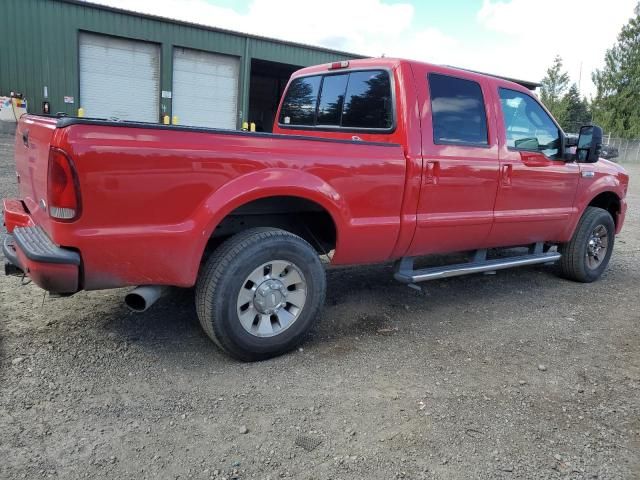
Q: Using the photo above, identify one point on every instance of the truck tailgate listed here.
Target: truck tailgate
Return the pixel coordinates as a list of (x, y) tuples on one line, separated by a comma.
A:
[(34, 136)]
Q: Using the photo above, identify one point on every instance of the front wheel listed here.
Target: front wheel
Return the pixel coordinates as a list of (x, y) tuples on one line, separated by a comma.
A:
[(587, 254), (260, 293)]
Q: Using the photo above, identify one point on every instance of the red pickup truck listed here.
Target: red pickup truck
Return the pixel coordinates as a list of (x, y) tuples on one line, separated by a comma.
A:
[(370, 160)]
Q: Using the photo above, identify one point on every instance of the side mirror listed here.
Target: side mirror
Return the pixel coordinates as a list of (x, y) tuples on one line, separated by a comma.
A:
[(589, 144), (571, 140), (527, 144)]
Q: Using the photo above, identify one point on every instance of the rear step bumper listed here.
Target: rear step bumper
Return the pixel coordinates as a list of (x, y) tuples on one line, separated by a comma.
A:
[(406, 274), (49, 266)]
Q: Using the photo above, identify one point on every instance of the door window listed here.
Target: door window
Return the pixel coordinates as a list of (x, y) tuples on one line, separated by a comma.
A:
[(457, 109), (527, 125)]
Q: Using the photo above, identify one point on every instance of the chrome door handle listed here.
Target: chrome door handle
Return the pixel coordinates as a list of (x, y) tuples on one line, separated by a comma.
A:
[(432, 173), (506, 174), (588, 174)]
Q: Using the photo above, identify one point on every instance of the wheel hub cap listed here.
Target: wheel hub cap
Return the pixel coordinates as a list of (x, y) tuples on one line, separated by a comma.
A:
[(271, 298), (597, 246)]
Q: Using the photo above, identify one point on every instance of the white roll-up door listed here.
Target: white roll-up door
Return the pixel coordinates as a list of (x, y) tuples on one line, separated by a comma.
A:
[(119, 78), (205, 88)]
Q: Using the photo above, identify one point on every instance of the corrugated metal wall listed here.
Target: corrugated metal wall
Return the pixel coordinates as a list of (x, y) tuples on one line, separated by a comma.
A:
[(39, 47)]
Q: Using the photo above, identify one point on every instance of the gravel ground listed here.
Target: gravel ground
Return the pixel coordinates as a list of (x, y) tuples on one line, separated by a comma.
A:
[(515, 375)]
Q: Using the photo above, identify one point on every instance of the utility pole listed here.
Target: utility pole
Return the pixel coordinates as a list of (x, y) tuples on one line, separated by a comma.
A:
[(580, 77)]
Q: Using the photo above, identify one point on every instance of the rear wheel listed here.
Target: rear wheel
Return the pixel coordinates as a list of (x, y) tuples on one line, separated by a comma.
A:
[(587, 254), (260, 293)]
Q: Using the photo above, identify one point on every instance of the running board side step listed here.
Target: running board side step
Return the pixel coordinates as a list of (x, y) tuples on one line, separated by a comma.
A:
[(406, 274)]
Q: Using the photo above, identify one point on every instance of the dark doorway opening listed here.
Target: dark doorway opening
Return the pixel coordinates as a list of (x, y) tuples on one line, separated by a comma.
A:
[(268, 81)]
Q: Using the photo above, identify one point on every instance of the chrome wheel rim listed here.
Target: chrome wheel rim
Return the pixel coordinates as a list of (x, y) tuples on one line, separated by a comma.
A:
[(271, 298), (597, 246)]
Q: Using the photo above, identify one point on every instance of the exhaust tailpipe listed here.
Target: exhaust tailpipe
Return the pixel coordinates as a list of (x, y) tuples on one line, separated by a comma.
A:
[(141, 298), (13, 270)]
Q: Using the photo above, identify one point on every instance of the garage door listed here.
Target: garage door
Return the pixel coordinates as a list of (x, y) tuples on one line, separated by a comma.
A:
[(205, 88), (119, 78)]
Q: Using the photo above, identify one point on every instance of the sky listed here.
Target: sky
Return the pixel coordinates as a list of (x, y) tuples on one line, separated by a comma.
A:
[(515, 38)]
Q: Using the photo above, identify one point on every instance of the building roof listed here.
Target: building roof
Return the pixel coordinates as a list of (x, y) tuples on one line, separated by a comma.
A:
[(88, 3)]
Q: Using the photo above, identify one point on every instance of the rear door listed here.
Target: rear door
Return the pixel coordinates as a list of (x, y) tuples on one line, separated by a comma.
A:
[(537, 187), (460, 163)]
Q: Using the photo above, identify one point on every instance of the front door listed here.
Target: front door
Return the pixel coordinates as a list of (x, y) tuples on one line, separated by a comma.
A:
[(460, 164), (537, 187)]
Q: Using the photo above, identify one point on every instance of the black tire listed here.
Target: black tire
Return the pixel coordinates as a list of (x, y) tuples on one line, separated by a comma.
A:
[(574, 263), (225, 273)]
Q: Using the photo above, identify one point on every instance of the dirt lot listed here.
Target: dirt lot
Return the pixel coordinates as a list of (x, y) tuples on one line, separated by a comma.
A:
[(516, 375)]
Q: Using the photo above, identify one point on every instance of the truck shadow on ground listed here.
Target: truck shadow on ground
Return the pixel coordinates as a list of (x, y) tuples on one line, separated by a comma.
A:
[(362, 302), (368, 301)]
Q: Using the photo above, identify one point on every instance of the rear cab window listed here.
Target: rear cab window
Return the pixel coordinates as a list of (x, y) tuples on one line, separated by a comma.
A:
[(331, 102), (358, 100), (300, 102)]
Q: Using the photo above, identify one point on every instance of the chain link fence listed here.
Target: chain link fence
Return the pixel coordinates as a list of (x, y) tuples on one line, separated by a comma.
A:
[(628, 149), (619, 150)]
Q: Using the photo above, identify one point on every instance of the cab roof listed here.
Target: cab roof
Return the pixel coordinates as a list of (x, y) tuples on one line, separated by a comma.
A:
[(390, 63)]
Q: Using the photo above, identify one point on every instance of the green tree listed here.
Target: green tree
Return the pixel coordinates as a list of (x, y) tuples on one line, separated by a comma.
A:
[(553, 88), (576, 110), (616, 106)]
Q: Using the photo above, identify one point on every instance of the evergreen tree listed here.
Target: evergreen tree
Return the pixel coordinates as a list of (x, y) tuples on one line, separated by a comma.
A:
[(576, 110), (553, 87), (616, 106)]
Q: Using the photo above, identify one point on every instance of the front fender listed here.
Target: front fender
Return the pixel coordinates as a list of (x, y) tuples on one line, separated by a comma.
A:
[(265, 183), (589, 188)]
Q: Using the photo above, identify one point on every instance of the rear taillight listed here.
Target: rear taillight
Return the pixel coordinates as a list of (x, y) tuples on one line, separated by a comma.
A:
[(63, 190)]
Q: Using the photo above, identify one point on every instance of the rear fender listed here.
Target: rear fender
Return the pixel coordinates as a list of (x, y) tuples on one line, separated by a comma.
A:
[(262, 184)]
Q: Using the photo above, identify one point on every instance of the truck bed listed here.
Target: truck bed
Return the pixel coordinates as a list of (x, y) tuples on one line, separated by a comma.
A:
[(151, 195)]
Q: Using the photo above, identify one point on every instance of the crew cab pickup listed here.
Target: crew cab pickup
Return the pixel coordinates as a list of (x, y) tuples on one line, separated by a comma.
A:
[(372, 160)]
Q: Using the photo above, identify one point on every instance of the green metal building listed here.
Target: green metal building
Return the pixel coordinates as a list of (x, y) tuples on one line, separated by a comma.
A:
[(67, 54)]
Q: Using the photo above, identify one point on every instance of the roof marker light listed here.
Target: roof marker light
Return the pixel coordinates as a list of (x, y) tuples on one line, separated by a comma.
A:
[(336, 65)]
